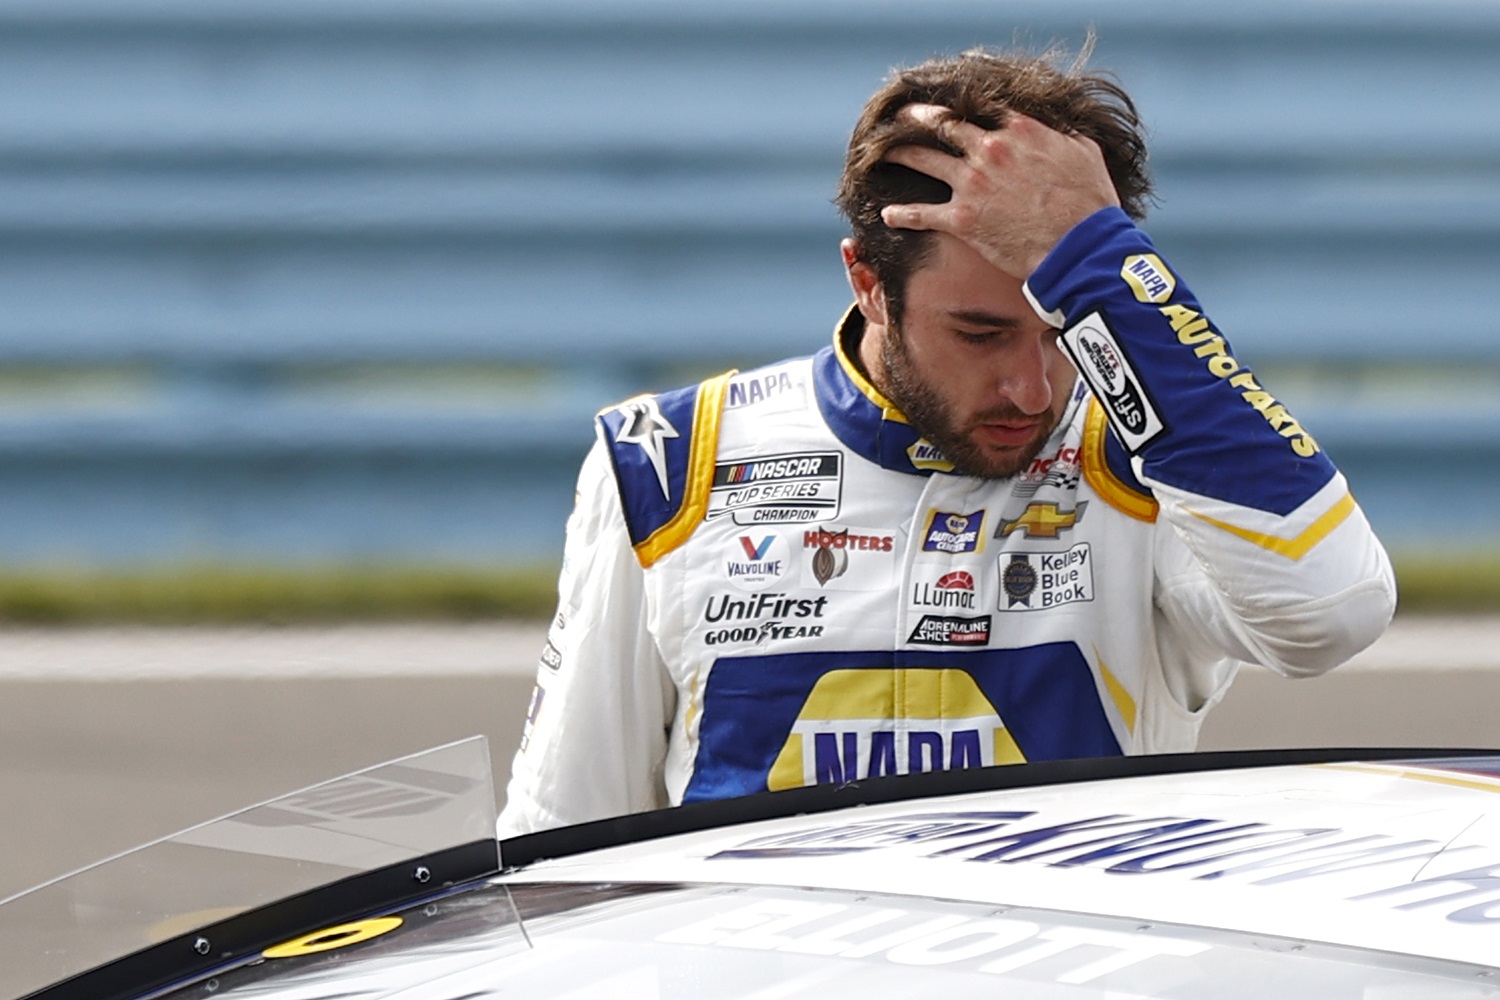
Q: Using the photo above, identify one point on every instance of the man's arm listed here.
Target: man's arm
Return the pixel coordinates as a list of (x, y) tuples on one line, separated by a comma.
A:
[(596, 728), (1270, 560), (1269, 556)]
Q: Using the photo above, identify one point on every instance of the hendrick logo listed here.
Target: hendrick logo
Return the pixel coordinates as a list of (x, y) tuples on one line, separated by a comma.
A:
[(946, 630), (1097, 355)]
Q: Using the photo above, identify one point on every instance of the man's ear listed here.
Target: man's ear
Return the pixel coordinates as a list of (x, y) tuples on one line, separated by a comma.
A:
[(869, 293)]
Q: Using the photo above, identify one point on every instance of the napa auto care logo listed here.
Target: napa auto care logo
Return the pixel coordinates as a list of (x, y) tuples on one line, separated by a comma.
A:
[(756, 560), (952, 533)]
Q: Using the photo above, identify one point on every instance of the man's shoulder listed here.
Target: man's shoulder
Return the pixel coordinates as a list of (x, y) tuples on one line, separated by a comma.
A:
[(663, 446)]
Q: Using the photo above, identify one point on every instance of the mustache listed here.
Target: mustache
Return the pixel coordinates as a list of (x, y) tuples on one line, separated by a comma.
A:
[(1007, 413)]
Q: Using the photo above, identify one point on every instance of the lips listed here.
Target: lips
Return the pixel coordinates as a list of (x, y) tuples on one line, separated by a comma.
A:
[(1008, 434)]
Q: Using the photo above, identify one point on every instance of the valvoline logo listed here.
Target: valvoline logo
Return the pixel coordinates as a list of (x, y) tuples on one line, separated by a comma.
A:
[(754, 550), (850, 727), (756, 561)]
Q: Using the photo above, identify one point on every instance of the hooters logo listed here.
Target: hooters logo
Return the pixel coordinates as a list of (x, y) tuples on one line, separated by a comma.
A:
[(835, 551)]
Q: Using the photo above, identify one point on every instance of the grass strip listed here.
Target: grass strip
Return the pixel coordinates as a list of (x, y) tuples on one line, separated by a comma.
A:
[(1429, 583), (1448, 583), (230, 595)]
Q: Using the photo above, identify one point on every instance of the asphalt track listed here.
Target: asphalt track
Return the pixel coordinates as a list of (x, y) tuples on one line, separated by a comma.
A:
[(112, 737)]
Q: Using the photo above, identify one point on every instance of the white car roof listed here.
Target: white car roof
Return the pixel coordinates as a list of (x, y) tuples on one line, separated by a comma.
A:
[(1397, 857)]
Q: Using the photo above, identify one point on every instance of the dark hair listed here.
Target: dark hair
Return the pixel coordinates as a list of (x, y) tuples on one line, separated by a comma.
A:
[(979, 86)]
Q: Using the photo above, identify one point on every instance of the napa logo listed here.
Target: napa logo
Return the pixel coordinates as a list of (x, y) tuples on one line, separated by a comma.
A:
[(925, 455), (1148, 278), (848, 728)]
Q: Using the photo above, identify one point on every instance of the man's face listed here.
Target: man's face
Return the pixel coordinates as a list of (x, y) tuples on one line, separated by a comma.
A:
[(972, 366)]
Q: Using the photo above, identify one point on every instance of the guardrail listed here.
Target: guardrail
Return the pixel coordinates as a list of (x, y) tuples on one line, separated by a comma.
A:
[(441, 234)]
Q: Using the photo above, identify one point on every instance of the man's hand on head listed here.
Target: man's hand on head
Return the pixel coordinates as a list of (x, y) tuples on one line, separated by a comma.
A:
[(1017, 189)]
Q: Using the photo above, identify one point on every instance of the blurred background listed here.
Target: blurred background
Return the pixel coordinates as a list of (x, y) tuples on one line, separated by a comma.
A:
[(331, 284), (308, 308)]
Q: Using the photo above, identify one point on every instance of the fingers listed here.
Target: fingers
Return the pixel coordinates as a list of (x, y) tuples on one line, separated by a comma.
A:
[(915, 216), (952, 129), (929, 161)]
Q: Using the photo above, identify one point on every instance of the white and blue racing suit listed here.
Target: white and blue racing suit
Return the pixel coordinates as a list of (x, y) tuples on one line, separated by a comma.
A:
[(771, 580)]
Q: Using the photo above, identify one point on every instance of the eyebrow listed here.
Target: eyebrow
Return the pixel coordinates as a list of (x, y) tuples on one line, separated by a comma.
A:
[(979, 317)]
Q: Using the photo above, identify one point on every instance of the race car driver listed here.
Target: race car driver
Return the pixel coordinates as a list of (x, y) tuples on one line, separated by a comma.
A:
[(1029, 504)]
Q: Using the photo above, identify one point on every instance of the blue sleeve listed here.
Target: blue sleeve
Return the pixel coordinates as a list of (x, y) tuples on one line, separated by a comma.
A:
[(1177, 398)]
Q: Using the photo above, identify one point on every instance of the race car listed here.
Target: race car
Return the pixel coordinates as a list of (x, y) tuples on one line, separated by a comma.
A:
[(1341, 873)]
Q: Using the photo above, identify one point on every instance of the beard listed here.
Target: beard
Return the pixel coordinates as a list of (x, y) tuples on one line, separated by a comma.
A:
[(924, 406)]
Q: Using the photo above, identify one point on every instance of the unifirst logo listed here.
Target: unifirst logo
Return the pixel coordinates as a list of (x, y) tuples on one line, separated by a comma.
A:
[(1148, 278)]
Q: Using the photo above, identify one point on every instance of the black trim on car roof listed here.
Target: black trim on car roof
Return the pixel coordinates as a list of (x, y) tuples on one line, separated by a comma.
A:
[(519, 852), (236, 940)]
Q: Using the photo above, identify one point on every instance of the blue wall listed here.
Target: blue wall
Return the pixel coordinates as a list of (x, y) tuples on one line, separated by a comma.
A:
[(291, 281)]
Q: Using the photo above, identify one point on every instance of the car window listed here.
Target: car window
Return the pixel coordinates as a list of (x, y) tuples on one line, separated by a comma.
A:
[(315, 837)]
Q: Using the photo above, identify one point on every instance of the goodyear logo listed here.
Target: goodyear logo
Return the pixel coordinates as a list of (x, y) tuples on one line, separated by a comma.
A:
[(1148, 278), (845, 731)]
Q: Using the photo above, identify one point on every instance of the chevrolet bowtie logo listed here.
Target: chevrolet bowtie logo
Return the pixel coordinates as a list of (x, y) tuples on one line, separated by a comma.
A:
[(1043, 520)]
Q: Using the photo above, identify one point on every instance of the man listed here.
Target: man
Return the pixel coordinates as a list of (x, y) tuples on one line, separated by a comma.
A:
[(1028, 505)]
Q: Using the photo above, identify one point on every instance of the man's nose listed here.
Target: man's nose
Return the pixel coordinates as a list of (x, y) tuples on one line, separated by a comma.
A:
[(1025, 379)]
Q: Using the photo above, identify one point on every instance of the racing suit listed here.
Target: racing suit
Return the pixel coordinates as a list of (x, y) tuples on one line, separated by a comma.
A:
[(770, 579)]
